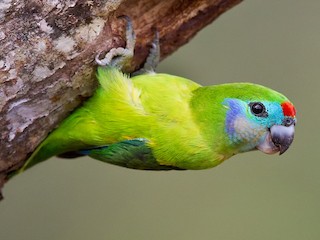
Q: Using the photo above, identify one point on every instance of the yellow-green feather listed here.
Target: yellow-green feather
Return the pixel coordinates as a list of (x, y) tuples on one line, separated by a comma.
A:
[(153, 106), (182, 122)]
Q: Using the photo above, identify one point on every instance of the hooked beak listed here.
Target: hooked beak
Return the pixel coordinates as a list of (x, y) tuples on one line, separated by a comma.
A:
[(277, 139)]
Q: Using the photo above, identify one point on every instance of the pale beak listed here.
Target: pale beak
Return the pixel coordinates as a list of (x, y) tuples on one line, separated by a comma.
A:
[(277, 139)]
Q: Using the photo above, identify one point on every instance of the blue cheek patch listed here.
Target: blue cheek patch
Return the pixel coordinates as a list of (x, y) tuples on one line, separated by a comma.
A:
[(235, 109)]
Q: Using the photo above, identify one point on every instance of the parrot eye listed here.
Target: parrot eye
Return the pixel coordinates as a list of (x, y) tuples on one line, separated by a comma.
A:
[(258, 109)]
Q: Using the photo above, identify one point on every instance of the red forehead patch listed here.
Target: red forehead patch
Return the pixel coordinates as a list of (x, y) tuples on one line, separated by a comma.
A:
[(288, 109)]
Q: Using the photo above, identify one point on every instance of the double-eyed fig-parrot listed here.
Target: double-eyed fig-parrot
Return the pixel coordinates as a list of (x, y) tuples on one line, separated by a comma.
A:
[(155, 121)]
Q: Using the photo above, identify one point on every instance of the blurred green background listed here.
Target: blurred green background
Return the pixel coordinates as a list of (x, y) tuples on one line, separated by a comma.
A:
[(251, 196)]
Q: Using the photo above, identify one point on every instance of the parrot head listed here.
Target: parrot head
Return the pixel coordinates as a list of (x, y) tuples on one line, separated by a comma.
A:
[(248, 116), (263, 121)]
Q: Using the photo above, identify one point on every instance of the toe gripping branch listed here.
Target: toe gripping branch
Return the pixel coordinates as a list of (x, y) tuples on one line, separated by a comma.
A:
[(121, 57), (153, 58)]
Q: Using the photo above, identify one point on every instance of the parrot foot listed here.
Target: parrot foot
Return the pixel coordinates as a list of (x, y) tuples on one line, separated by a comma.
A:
[(152, 59), (120, 57)]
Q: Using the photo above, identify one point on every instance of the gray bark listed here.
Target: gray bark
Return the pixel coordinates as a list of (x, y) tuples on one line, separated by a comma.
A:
[(47, 51)]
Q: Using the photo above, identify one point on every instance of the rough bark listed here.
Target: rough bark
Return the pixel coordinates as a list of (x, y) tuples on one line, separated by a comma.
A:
[(47, 51)]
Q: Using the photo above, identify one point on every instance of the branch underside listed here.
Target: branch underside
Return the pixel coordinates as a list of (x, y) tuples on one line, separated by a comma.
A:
[(47, 57)]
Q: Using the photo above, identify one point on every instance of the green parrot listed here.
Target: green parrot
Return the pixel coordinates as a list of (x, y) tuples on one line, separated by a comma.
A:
[(156, 121)]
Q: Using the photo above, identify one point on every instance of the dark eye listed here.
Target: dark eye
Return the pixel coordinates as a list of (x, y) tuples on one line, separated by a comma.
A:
[(258, 109)]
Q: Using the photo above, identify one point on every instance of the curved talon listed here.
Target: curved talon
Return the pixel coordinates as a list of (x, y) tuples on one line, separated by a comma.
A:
[(130, 35), (98, 61)]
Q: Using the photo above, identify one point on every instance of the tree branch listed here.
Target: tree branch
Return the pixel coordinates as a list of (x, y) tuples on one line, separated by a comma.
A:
[(47, 57)]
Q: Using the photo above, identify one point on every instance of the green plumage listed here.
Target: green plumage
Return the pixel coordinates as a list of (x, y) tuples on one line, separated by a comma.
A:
[(129, 153), (151, 121)]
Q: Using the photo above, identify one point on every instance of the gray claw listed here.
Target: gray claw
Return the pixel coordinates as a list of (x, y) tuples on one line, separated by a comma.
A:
[(120, 57), (153, 57)]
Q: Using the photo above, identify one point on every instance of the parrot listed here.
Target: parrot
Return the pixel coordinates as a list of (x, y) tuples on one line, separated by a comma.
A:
[(157, 121)]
